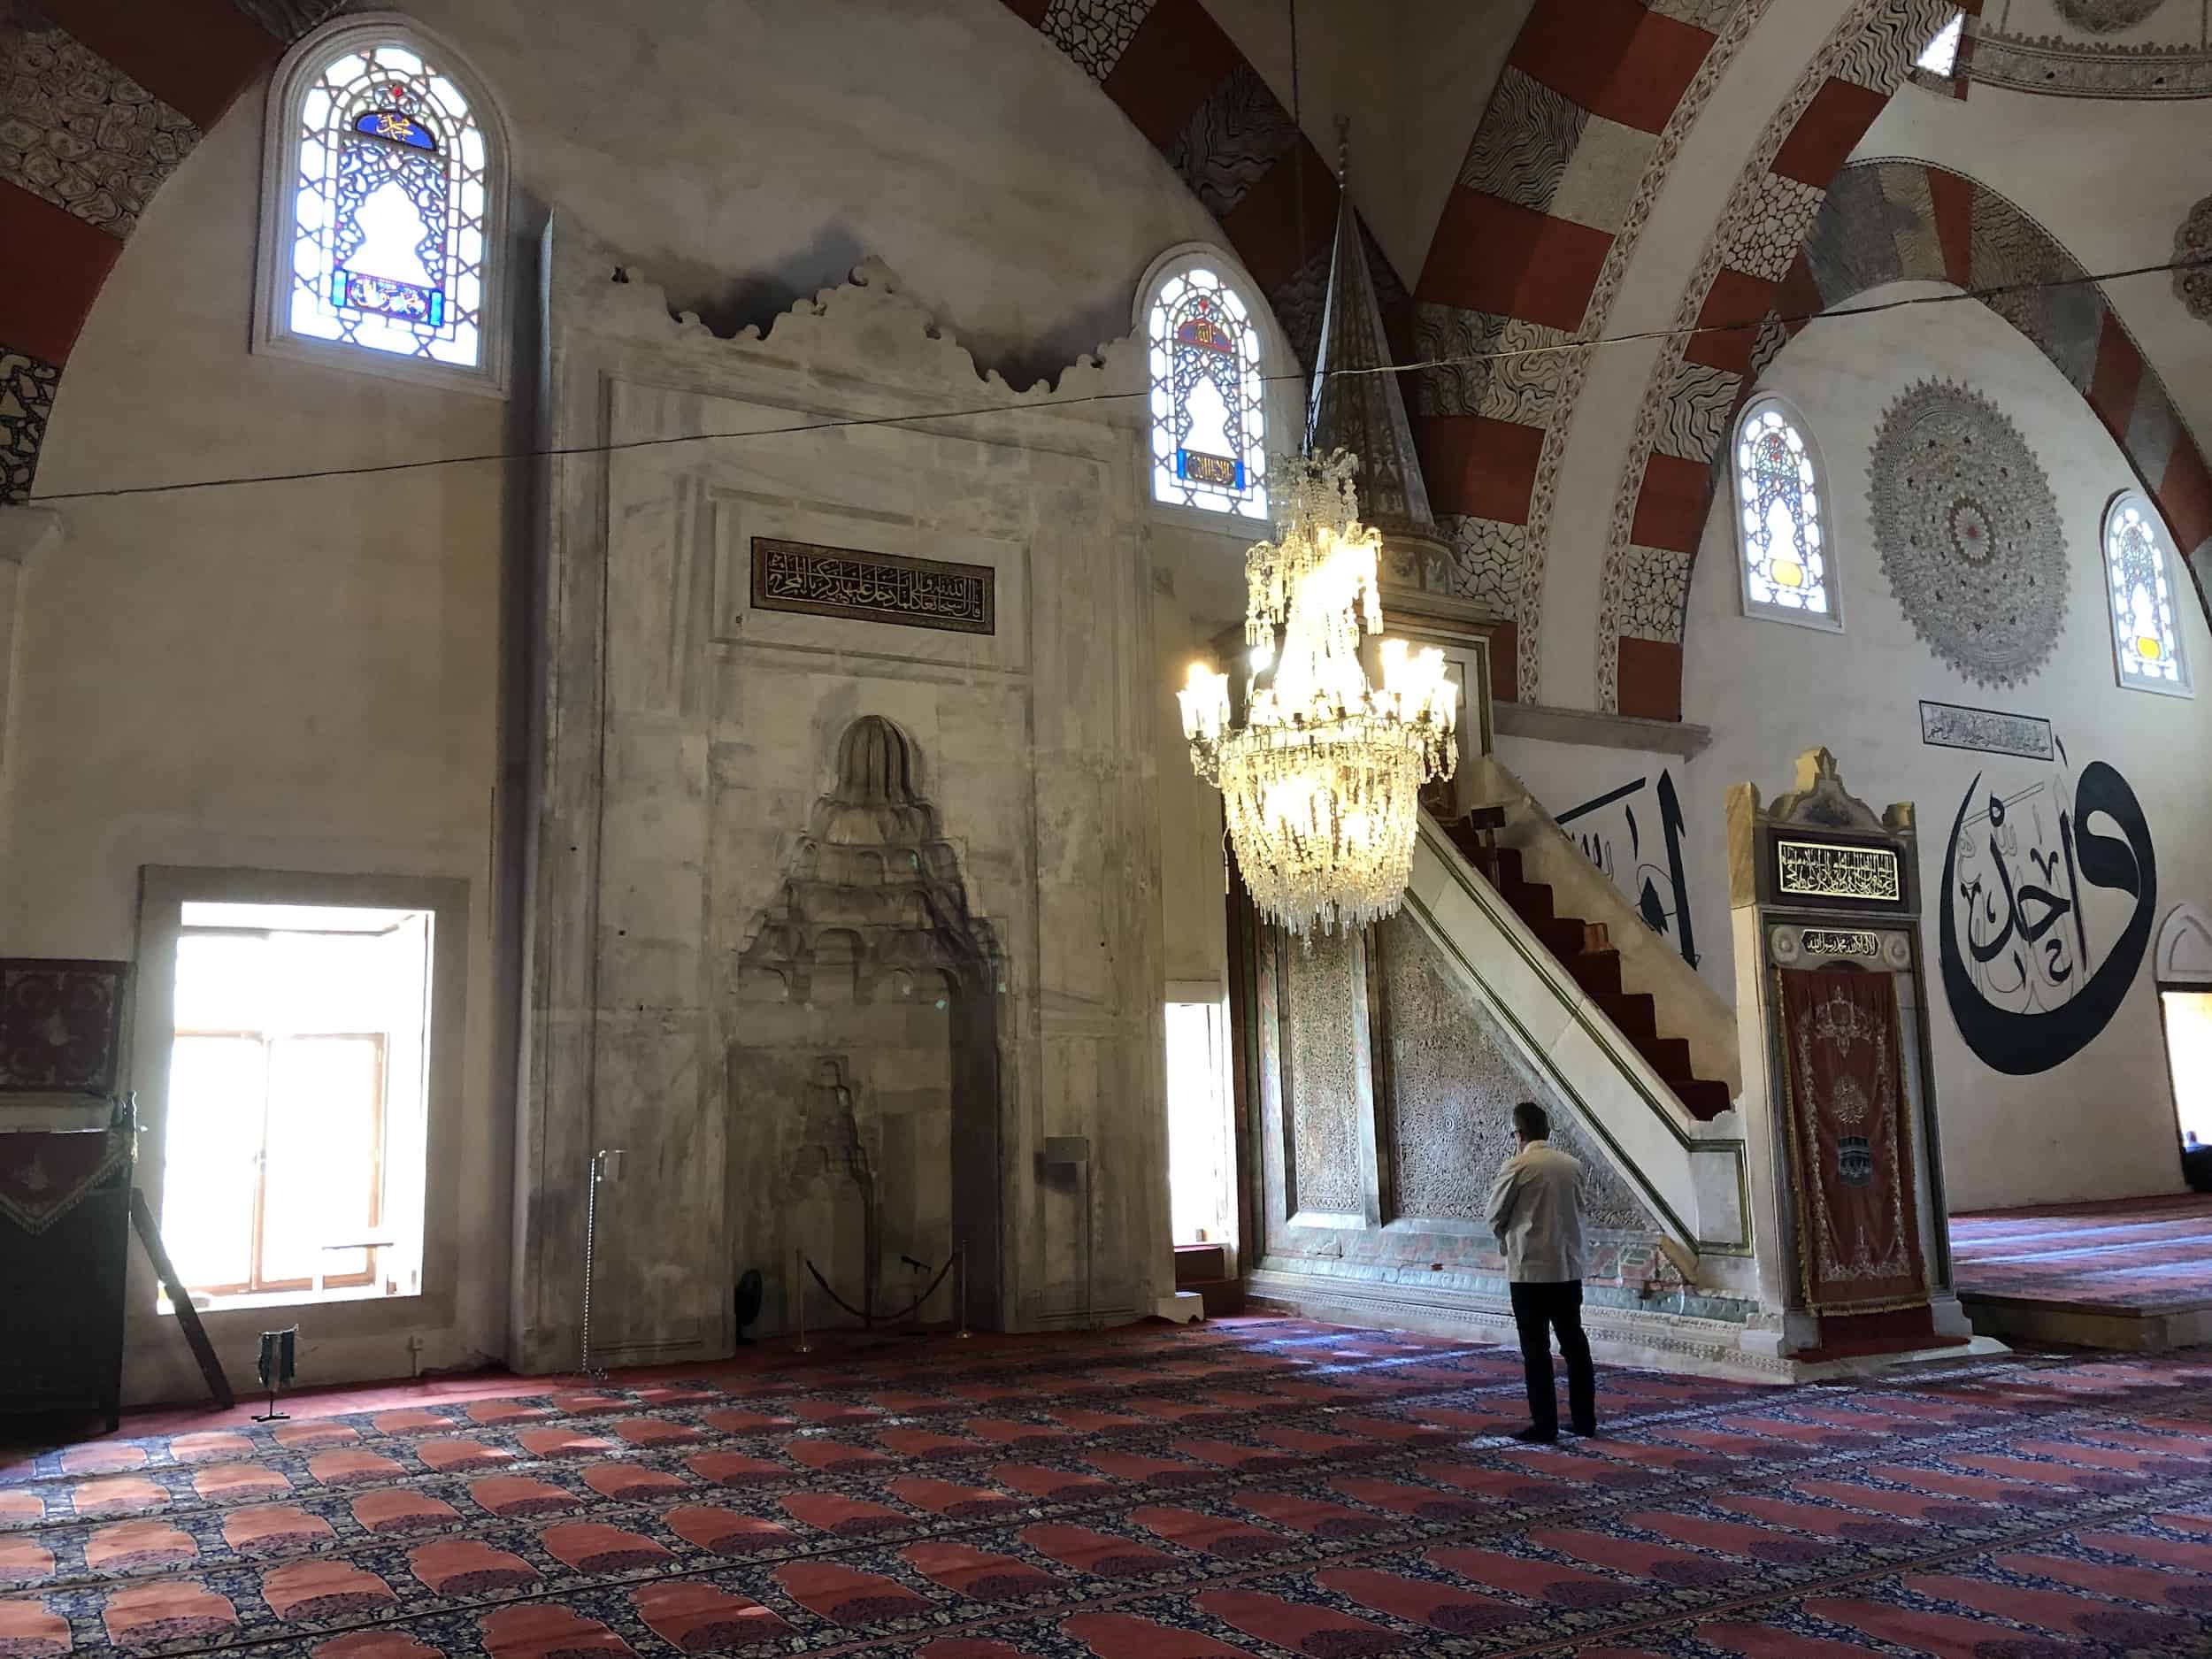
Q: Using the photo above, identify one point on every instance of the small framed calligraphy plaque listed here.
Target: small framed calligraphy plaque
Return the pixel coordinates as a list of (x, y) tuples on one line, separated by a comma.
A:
[(860, 587), (1852, 873)]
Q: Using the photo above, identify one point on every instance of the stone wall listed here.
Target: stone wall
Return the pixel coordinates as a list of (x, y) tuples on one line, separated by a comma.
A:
[(720, 911), (308, 675)]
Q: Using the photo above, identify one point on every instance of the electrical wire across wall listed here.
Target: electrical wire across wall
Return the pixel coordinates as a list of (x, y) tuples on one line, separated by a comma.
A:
[(1461, 360)]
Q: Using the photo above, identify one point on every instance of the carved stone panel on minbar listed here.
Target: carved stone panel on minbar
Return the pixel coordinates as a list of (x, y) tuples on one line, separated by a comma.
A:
[(1450, 1092), (1326, 1034)]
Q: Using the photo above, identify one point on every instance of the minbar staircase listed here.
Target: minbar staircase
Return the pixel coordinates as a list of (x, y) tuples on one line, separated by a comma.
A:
[(1586, 950)]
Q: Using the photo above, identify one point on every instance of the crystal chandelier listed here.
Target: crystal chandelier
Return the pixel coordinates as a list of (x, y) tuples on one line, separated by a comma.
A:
[(1322, 783)]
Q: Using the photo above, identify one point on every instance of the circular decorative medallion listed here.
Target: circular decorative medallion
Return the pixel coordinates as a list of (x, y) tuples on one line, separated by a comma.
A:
[(2193, 283), (1897, 950), (2106, 17), (1969, 532), (1783, 942)]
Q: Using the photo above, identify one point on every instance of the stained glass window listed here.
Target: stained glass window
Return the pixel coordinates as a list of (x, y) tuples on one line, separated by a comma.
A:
[(1209, 405), (387, 190), (1940, 57), (1786, 560), (2147, 640)]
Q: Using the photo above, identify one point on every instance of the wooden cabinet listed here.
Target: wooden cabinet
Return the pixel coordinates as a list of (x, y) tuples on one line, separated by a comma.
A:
[(64, 1241)]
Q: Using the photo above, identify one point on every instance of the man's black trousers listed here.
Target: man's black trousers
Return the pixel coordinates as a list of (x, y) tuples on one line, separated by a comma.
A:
[(1539, 1310)]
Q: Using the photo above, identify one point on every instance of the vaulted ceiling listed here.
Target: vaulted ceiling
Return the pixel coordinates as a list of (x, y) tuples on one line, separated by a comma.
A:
[(1543, 172)]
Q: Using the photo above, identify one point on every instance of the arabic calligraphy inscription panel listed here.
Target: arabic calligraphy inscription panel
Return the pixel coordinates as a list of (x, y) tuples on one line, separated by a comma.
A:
[(1828, 869), (860, 587)]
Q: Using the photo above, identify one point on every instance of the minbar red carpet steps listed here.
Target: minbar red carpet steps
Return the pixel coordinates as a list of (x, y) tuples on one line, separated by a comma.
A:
[(1585, 949), (1245, 1490)]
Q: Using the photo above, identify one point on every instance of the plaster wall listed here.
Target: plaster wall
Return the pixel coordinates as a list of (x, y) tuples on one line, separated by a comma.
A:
[(307, 675), (2100, 1124)]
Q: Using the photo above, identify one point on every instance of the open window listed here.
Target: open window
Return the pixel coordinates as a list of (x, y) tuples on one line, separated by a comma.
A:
[(300, 1038), (2182, 962), (1201, 1141), (1943, 63)]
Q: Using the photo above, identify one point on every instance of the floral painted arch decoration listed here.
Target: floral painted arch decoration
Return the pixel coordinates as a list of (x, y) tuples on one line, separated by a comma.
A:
[(384, 208)]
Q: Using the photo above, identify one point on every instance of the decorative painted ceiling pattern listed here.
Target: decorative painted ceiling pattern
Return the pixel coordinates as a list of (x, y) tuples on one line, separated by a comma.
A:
[(2083, 58), (1968, 531), (1891, 221), (1564, 170), (1556, 187), (1557, 181), (2106, 17), (1700, 379), (2192, 282), (99, 102), (1183, 83)]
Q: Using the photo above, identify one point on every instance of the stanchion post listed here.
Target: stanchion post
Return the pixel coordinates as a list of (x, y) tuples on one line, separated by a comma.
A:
[(798, 1289), (960, 1315)]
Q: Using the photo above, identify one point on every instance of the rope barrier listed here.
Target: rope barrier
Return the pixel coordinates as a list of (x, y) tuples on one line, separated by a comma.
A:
[(887, 1319)]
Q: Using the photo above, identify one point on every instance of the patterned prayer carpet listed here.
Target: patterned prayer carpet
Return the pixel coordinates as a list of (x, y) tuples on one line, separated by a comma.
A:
[(2149, 1254), (1253, 1488)]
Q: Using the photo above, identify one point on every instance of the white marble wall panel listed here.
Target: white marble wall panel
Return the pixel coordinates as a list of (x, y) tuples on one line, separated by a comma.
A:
[(667, 820)]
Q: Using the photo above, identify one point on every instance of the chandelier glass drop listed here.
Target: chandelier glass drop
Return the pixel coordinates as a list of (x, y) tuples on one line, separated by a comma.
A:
[(1322, 782)]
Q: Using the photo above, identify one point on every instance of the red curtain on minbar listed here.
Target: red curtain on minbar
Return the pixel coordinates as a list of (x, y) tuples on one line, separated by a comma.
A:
[(1858, 1231)]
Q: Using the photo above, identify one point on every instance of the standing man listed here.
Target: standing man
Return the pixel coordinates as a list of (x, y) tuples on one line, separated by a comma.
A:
[(1536, 1211)]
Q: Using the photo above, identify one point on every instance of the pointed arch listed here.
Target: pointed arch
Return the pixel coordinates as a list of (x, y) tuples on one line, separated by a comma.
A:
[(2182, 958), (1882, 221)]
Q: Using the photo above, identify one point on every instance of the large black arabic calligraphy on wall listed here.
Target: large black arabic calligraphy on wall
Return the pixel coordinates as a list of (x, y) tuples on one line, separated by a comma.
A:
[(1642, 856), (2050, 887)]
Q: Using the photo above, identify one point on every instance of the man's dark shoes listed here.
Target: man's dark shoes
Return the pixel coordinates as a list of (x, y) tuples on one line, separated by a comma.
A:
[(1589, 1433), (1536, 1436)]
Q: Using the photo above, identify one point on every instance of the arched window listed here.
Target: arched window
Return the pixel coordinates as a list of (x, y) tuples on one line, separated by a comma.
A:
[(384, 208), (1788, 569), (2138, 566), (1208, 355), (1941, 56)]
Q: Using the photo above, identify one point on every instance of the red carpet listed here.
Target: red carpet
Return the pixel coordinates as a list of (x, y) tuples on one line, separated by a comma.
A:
[(1252, 1488), (2153, 1254)]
